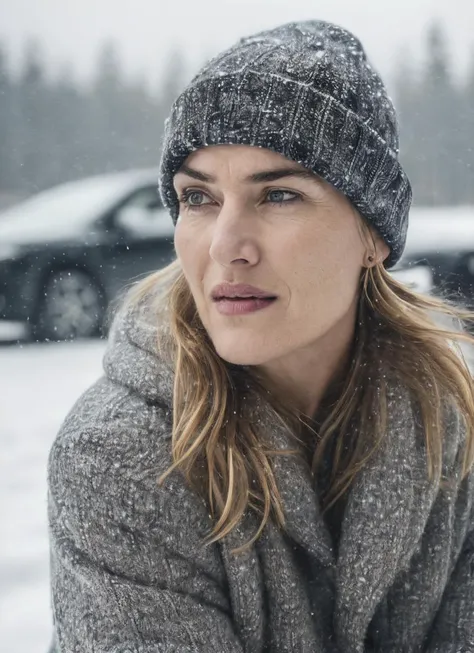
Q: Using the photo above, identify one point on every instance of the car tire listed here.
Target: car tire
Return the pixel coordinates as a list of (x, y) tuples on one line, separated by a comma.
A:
[(71, 306)]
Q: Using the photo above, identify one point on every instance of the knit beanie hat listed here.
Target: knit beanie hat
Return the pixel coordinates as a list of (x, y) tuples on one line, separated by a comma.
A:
[(307, 91)]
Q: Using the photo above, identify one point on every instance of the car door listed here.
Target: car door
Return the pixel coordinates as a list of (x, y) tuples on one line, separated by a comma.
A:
[(142, 231)]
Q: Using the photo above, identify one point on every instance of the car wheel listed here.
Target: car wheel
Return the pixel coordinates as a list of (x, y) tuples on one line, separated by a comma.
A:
[(71, 306)]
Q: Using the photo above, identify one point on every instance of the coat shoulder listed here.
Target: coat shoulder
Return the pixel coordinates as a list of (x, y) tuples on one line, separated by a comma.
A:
[(111, 423), (104, 468)]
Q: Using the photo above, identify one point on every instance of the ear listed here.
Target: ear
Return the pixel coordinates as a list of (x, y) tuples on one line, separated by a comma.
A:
[(382, 250)]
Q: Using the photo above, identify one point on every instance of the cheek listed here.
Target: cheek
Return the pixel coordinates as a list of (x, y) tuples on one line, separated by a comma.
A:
[(181, 241), (187, 245), (192, 250), (189, 254), (325, 272)]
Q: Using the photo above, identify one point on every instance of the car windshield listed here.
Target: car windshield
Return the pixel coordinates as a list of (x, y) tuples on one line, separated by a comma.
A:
[(69, 207)]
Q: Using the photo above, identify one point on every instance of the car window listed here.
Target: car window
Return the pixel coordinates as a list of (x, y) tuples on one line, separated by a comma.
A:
[(143, 215), (64, 210)]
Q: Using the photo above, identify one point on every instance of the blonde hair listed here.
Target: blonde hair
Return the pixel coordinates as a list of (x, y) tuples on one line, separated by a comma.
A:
[(218, 448)]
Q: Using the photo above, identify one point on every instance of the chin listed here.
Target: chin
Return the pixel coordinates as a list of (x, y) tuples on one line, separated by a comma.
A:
[(245, 353), (242, 357)]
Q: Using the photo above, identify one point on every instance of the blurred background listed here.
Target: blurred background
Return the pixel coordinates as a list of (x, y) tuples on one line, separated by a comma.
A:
[(84, 91)]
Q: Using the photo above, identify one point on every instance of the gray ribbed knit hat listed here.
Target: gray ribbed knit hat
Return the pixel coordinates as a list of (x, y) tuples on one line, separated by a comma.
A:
[(307, 91)]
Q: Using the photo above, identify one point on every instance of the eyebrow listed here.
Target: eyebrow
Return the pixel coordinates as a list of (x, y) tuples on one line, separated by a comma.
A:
[(257, 177)]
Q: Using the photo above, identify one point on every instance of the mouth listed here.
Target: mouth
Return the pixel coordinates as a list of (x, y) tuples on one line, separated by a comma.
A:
[(232, 298), (241, 299), (242, 305)]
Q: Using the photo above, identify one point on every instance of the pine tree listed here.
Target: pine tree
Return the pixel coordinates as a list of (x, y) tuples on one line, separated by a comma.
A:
[(439, 107), (467, 127), (172, 82), (143, 127), (6, 113), (67, 108), (31, 133), (407, 106), (106, 107)]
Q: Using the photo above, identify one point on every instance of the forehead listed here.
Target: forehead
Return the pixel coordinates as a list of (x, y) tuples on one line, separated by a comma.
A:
[(240, 159)]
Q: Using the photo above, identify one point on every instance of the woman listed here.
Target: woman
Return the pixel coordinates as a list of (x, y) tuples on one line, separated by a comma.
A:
[(278, 456)]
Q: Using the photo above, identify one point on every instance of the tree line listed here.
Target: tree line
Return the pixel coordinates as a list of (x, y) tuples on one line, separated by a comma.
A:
[(436, 113), (56, 129)]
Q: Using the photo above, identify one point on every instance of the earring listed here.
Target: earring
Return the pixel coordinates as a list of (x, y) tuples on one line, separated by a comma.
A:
[(371, 259)]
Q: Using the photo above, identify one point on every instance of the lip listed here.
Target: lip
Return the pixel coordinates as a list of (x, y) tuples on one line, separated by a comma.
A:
[(242, 306), (227, 290)]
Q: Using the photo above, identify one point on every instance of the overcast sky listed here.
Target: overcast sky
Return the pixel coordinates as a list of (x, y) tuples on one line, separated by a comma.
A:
[(147, 30)]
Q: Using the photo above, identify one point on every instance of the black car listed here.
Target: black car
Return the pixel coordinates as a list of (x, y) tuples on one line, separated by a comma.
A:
[(442, 240), (67, 252)]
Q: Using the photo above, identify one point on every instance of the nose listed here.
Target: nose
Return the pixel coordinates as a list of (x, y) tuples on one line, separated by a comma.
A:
[(234, 237)]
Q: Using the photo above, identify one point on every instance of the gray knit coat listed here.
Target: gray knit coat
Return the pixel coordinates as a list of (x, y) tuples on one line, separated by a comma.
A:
[(129, 572)]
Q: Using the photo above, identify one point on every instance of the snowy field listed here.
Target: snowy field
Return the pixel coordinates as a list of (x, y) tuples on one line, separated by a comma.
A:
[(38, 386)]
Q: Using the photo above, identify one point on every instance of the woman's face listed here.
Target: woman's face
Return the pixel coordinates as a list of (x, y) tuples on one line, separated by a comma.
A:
[(251, 216)]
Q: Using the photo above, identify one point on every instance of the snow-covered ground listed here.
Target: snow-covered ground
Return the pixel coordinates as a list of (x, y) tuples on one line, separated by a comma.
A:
[(38, 386)]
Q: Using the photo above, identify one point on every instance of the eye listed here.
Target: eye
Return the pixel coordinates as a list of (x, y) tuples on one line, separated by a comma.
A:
[(279, 196), (195, 198)]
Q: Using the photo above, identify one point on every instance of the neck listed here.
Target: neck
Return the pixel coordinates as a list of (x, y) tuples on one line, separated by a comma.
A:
[(308, 374)]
